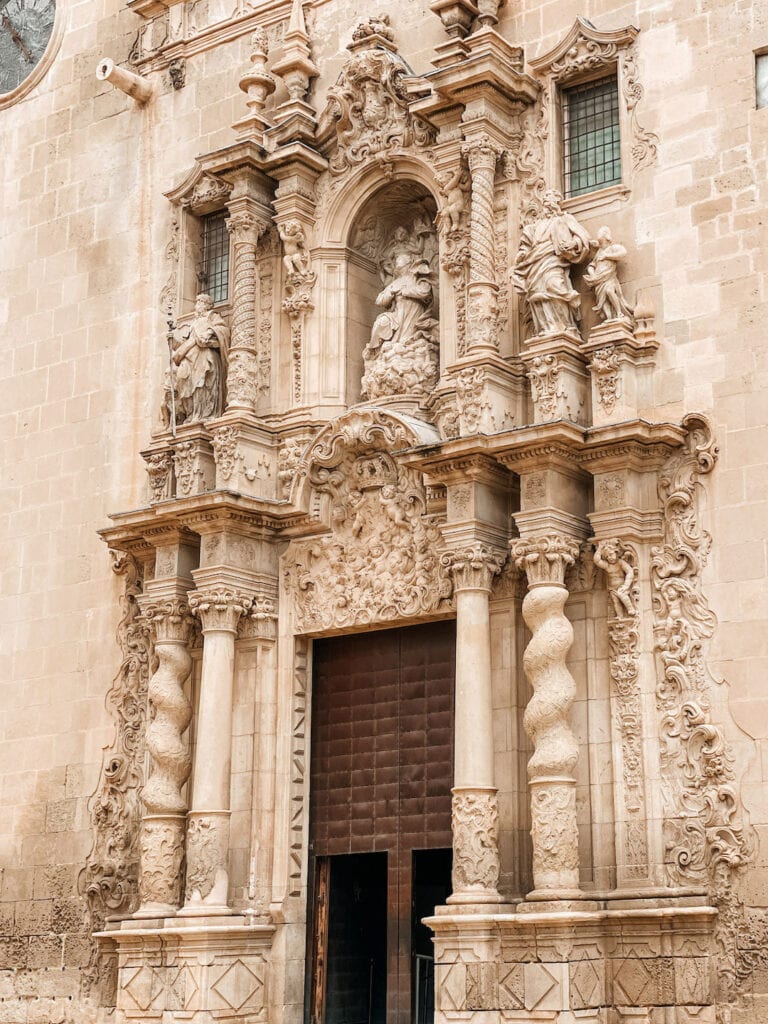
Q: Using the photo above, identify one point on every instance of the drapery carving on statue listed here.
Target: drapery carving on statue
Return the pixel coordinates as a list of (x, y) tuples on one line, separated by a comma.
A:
[(401, 357), (549, 246), (367, 111), (381, 560), (110, 877), (707, 839), (199, 357), (602, 274), (475, 824)]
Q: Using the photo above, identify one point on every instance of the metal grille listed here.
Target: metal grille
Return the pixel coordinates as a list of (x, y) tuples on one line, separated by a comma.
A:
[(591, 142), (214, 275)]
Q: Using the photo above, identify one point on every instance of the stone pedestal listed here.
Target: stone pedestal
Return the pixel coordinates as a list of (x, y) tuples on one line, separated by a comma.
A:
[(246, 460), (194, 971), (194, 470), (620, 366), (489, 394), (564, 968), (556, 367)]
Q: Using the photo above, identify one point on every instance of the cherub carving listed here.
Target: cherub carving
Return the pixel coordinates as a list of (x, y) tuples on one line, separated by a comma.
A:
[(602, 275), (454, 188), (612, 558), (294, 239)]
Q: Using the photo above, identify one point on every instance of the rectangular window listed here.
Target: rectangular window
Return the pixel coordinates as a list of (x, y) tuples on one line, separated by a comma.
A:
[(761, 80), (214, 273), (591, 142)]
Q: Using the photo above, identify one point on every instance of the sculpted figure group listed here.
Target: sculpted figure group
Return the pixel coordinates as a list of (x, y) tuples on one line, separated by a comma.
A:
[(550, 247)]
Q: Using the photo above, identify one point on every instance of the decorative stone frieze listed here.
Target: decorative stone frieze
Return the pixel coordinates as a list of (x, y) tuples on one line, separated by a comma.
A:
[(551, 767)]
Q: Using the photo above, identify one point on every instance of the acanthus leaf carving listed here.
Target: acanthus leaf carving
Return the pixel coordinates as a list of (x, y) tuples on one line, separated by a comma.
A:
[(605, 367), (707, 839), (380, 562), (644, 143), (225, 450), (472, 400), (546, 389)]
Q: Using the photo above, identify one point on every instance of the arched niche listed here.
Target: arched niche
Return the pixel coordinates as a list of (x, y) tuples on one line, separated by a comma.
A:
[(393, 304)]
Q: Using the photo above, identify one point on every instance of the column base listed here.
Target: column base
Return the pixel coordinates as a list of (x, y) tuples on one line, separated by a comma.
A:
[(206, 971), (638, 962)]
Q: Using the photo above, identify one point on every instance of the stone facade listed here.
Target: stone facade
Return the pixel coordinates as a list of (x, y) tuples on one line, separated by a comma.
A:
[(436, 389)]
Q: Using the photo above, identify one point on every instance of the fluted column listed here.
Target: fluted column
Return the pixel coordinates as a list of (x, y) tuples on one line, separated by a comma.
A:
[(219, 608), (245, 227), (162, 826), (545, 559), (475, 811), (482, 315)]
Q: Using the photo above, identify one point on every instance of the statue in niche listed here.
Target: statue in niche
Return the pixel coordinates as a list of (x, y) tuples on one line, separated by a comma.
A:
[(199, 352), (401, 357), (602, 274), (549, 247)]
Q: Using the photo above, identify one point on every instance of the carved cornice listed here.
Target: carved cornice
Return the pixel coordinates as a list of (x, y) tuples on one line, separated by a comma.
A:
[(545, 558), (582, 51), (474, 566), (219, 608)]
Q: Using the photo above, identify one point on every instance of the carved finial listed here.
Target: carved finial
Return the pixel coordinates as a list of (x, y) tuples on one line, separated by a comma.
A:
[(258, 84), (296, 67), (376, 31), (488, 12)]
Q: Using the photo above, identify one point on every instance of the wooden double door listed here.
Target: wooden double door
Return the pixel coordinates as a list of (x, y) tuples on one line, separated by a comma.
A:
[(380, 821)]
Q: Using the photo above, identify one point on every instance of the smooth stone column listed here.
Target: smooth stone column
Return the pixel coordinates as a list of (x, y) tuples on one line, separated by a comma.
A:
[(162, 825), (551, 768), (482, 154), (208, 820), (475, 812)]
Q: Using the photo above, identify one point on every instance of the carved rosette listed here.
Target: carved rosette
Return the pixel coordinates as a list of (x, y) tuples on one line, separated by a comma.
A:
[(243, 371), (219, 608), (473, 567), (475, 824), (551, 767), (207, 852), (170, 761)]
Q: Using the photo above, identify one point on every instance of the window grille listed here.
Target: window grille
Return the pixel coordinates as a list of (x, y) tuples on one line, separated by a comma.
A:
[(214, 273), (591, 142)]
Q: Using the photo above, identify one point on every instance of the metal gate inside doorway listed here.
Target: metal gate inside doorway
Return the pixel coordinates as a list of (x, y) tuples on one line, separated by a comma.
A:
[(380, 821)]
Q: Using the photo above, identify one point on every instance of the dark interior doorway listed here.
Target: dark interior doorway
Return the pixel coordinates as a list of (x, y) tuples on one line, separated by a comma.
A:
[(380, 794)]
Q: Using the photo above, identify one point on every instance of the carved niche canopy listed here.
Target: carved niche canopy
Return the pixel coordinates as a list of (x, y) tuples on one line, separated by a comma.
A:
[(380, 559), (367, 113)]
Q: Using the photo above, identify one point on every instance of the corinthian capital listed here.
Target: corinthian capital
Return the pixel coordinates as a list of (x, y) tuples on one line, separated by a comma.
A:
[(169, 618), (474, 566), (245, 226), (545, 558), (481, 152), (219, 608)]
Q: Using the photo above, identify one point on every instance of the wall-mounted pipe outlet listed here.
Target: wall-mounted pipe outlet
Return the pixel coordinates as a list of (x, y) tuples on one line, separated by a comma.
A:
[(133, 85)]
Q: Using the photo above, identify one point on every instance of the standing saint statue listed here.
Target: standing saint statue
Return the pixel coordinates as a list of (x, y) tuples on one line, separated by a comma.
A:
[(602, 275), (402, 354), (549, 247), (199, 357)]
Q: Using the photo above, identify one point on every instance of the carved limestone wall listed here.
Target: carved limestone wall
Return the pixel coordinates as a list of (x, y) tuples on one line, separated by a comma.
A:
[(380, 561)]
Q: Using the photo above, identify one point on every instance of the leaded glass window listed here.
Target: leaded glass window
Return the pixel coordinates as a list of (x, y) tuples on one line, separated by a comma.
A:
[(591, 141), (214, 273)]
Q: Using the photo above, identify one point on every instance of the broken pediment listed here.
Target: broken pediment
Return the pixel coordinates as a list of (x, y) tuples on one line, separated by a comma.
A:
[(583, 50)]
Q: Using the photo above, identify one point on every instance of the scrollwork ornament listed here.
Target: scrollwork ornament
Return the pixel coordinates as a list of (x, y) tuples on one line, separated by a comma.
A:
[(605, 366), (644, 144), (707, 839), (207, 849), (159, 466), (225, 450), (475, 824)]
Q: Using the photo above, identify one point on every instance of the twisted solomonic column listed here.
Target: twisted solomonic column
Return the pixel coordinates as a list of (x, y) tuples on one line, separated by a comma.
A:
[(475, 812), (220, 608), (162, 826), (482, 154), (243, 363), (551, 768)]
